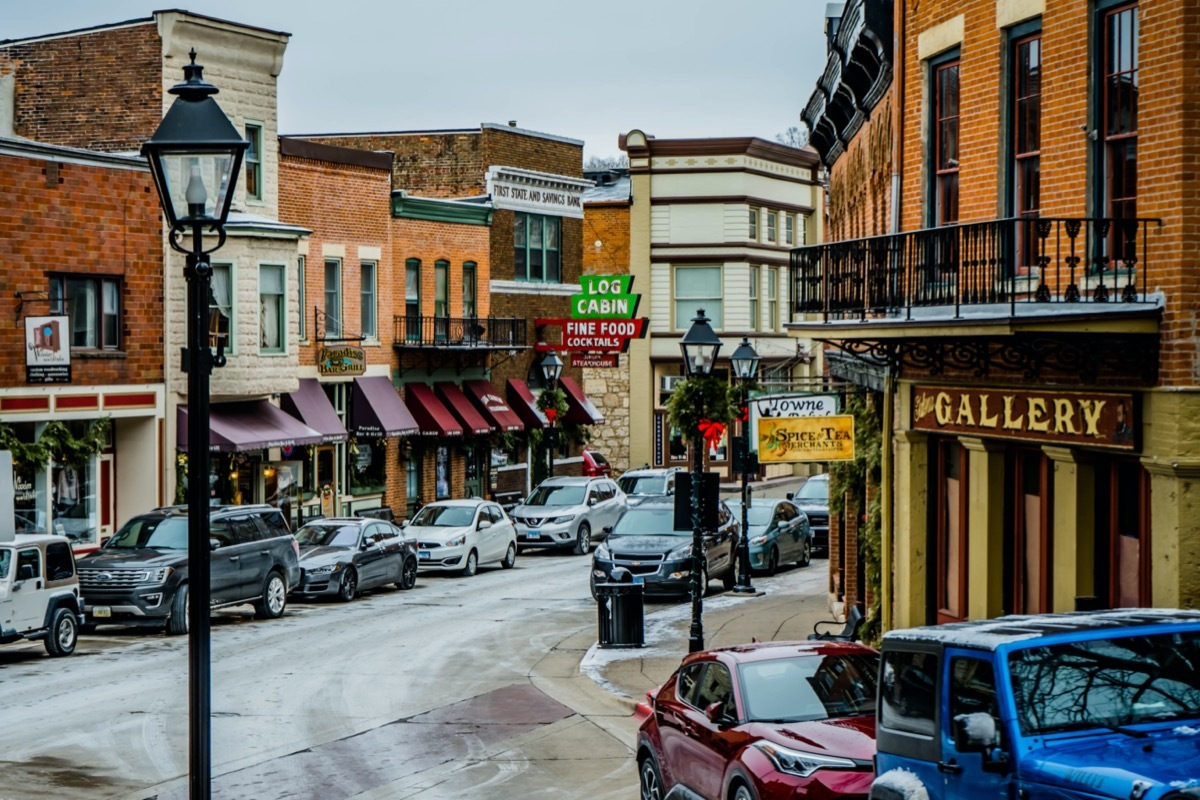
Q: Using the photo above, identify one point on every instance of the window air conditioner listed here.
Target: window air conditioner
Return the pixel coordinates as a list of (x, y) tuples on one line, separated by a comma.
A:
[(669, 382)]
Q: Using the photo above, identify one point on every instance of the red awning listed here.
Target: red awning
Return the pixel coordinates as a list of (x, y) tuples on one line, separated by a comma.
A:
[(487, 399), (471, 420), (580, 410), (523, 403), (310, 405), (254, 425), (431, 414), (377, 412)]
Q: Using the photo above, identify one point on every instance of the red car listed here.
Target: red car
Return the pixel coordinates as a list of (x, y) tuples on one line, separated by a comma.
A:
[(595, 464), (763, 722)]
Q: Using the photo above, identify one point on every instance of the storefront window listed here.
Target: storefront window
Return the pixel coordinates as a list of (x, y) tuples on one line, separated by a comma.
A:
[(57, 498), (412, 479), (442, 486), (76, 511), (367, 461), (678, 445), (282, 485)]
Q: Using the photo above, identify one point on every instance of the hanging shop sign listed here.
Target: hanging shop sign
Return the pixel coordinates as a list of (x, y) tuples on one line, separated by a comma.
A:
[(596, 360), (47, 351), (537, 192), (795, 405), (344, 359), (1080, 418), (605, 297), (805, 439), (595, 335)]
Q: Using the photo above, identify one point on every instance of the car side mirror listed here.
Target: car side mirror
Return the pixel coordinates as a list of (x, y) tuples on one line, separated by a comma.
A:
[(716, 714), (789, 495), (592, 501), (483, 525), (213, 544), (366, 544), (974, 733), (607, 529)]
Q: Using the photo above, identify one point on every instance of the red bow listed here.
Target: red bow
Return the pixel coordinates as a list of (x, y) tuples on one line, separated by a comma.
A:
[(745, 414), (712, 432), (551, 414)]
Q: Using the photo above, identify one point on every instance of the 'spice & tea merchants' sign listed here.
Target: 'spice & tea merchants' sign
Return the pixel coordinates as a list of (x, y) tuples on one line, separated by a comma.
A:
[(801, 439), (1080, 418)]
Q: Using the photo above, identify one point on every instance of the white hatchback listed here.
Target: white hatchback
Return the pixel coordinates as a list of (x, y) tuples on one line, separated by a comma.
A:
[(462, 534)]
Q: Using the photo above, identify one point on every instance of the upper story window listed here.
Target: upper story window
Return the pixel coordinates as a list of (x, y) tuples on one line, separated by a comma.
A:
[(469, 290), (789, 229), (333, 297), (370, 327), (441, 288), (412, 299), (1119, 122), (772, 299), (272, 315), (300, 293), (695, 288), (94, 308), (222, 299), (772, 226), (253, 161), (537, 241), (1027, 141), (945, 148), (753, 297), (754, 224)]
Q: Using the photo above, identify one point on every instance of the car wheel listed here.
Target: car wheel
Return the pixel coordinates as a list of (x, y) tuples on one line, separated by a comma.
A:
[(408, 574), (805, 553), (583, 541), (773, 561), (177, 622), (729, 579), (704, 581), (274, 598), (650, 780), (592, 586), (64, 633), (510, 557), (349, 588), (472, 564), (743, 792)]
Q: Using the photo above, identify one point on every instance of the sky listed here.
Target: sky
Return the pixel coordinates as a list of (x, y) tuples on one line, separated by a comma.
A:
[(575, 68)]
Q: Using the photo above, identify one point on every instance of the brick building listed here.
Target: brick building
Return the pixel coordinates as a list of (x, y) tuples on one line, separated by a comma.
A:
[(1011, 188)]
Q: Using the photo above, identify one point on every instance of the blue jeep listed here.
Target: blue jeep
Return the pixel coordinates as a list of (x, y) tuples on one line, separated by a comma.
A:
[(1085, 705)]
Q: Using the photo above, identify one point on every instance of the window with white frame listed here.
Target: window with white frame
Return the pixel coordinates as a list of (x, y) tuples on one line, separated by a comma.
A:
[(696, 288), (772, 226), (370, 327), (754, 298), (772, 299), (333, 297), (222, 300), (754, 224), (253, 161), (789, 229), (272, 308), (300, 283), (93, 306)]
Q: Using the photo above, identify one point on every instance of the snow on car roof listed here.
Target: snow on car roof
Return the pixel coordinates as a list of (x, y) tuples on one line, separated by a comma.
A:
[(988, 634)]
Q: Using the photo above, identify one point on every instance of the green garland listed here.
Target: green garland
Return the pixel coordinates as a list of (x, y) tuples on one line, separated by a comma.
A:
[(555, 399), (707, 398), (56, 443)]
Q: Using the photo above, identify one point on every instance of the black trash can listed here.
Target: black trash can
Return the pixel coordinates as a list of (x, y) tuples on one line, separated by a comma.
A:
[(619, 611)]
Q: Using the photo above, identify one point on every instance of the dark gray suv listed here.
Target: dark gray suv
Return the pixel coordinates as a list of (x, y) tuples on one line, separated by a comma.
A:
[(140, 575)]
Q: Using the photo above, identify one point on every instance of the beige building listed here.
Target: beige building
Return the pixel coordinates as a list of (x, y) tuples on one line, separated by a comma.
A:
[(711, 226)]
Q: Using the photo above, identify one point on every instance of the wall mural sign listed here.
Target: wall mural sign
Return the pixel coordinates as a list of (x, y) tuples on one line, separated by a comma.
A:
[(537, 192), (341, 360), (805, 439), (47, 349), (1052, 415), (605, 297)]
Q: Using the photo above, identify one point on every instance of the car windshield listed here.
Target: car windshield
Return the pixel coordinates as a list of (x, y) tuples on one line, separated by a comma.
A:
[(813, 490), (1103, 683), (646, 484), (648, 522), (329, 535), (165, 533), (810, 687), (759, 515), (556, 496), (445, 516)]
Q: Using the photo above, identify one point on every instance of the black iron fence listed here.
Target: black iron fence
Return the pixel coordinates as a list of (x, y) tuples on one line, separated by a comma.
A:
[(483, 332), (1009, 261)]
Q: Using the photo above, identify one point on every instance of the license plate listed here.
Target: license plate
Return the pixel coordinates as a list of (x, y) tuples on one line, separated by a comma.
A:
[(423, 555), (101, 611), (638, 579), (531, 537)]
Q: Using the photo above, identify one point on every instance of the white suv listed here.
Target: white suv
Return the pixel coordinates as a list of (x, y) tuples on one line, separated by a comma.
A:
[(39, 592)]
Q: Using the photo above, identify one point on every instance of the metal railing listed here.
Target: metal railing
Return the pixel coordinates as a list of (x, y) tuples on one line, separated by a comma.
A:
[(1009, 261), (481, 332)]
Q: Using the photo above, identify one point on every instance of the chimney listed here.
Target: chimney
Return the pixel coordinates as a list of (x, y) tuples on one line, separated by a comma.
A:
[(512, 123), (7, 109)]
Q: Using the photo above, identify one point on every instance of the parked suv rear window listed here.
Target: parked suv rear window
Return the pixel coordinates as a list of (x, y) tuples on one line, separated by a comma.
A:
[(166, 533), (275, 523), (907, 696), (59, 564)]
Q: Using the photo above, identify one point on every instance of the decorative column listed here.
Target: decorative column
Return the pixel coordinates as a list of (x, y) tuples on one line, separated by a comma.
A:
[(985, 527), (1073, 528)]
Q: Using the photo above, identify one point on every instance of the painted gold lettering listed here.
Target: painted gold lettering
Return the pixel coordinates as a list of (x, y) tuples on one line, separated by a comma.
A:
[(1012, 423), (1064, 417), (1038, 421), (965, 412), (941, 407), (1091, 415), (984, 420)]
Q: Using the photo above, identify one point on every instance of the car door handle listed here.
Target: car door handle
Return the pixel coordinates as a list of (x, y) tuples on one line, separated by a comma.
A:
[(234, 558), (265, 552), (951, 767)]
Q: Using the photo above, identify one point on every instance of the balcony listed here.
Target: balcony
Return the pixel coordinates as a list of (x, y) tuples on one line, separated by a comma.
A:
[(455, 333)]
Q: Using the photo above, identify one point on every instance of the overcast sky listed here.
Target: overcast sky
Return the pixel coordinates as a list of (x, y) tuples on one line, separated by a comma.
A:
[(673, 68)]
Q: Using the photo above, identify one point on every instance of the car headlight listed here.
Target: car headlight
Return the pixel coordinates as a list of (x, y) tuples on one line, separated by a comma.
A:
[(457, 541), (161, 574), (603, 553), (798, 762), (759, 540), (325, 570), (683, 551), (561, 520)]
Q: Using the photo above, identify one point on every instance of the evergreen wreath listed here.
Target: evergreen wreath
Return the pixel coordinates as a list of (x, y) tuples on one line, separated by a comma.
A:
[(702, 398), (555, 399)]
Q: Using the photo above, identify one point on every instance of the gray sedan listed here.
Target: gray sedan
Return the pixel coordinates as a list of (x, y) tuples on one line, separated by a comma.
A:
[(345, 556)]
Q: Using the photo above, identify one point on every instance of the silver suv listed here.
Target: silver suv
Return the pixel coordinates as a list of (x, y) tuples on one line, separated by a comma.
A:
[(568, 513), (638, 484), (39, 592)]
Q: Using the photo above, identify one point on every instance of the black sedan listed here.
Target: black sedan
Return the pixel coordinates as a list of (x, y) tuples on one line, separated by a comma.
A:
[(345, 556), (646, 543)]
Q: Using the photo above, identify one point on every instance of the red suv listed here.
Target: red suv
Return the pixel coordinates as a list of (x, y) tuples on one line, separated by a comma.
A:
[(595, 464), (763, 722)]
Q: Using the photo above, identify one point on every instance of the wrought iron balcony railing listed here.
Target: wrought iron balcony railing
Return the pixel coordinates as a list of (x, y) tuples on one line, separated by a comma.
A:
[(999, 262), (497, 333)]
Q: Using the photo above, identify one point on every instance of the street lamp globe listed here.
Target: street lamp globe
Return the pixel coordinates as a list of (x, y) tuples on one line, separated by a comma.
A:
[(700, 346), (745, 360), (195, 154), (552, 367)]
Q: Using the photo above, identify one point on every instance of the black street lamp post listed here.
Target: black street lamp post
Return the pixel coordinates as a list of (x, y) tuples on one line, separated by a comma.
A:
[(552, 367), (745, 366), (700, 346), (195, 155)]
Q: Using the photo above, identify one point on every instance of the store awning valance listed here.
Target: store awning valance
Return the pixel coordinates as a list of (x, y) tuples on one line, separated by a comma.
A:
[(523, 402), (377, 412), (580, 410), (471, 420), (487, 398), (431, 414), (311, 405), (253, 425)]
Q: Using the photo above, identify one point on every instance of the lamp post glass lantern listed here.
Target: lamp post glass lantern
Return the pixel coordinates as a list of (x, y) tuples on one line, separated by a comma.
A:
[(552, 367), (700, 346), (745, 367), (195, 156)]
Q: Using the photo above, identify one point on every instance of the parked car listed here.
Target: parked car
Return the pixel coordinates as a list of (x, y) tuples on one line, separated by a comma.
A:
[(568, 512), (345, 556), (462, 534), (638, 484), (594, 463), (1083, 706), (813, 500), (39, 592), (763, 721), (646, 543), (140, 575), (778, 532)]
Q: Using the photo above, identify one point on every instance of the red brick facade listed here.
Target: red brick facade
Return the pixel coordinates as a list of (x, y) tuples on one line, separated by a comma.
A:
[(607, 224)]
